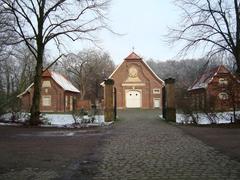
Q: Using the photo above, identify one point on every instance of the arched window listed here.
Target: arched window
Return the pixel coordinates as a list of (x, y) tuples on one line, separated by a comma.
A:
[(223, 96)]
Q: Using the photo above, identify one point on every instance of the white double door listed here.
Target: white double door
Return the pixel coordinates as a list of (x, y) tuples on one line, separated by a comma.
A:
[(133, 99)]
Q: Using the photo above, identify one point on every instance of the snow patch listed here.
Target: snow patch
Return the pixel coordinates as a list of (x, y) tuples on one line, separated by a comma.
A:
[(56, 120), (202, 118), (63, 82)]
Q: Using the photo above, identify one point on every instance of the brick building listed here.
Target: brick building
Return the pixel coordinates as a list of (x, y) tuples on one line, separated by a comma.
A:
[(136, 84), (216, 89), (57, 94)]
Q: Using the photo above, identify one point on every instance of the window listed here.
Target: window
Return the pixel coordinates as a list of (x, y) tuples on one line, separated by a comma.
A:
[(223, 96), (223, 81), (46, 100), (66, 101), (156, 91), (46, 84), (156, 102), (71, 103)]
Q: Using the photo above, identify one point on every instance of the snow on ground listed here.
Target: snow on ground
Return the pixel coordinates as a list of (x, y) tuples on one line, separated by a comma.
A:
[(54, 120), (202, 118), (66, 119), (59, 119)]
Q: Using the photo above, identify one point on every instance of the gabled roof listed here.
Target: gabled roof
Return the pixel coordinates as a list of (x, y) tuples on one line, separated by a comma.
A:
[(59, 79), (207, 77), (63, 82), (134, 56)]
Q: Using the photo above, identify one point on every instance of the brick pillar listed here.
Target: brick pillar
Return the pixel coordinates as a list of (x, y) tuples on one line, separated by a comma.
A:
[(108, 100), (170, 109)]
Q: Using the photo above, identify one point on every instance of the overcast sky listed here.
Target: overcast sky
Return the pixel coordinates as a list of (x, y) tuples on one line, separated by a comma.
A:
[(144, 24)]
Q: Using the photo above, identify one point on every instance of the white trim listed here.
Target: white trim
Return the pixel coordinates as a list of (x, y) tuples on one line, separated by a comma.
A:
[(26, 90), (65, 84), (115, 70), (135, 84), (205, 85), (102, 83), (61, 82), (214, 75), (153, 72)]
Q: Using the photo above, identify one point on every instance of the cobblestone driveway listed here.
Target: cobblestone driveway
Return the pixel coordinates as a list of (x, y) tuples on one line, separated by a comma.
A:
[(142, 146)]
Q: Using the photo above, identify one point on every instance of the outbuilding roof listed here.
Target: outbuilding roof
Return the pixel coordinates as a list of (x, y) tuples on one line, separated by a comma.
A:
[(63, 82), (203, 80), (59, 79)]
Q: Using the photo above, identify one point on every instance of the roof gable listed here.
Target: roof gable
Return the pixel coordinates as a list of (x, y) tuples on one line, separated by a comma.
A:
[(207, 77), (134, 56), (65, 84)]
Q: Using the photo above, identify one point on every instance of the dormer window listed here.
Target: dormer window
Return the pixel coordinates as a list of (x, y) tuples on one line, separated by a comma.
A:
[(223, 81)]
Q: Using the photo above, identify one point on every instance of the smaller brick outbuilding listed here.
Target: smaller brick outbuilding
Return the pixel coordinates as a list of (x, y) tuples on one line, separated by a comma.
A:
[(57, 94), (216, 89)]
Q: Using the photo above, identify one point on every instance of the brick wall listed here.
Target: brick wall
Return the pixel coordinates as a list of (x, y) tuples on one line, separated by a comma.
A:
[(145, 83), (56, 93), (211, 94)]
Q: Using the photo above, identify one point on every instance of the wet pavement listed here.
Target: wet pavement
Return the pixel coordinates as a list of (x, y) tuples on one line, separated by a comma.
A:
[(138, 146)]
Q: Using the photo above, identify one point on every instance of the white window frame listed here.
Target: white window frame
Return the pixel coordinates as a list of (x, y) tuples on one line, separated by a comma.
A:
[(71, 102), (158, 91), (46, 100), (223, 81), (46, 84), (158, 99), (66, 101)]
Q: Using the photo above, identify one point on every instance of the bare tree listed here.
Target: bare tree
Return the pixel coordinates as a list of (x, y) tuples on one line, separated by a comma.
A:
[(26, 64), (39, 22), (5, 36), (213, 25), (87, 70), (75, 65)]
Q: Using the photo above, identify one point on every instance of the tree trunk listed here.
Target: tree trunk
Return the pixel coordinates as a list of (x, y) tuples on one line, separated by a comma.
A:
[(8, 84), (238, 64), (35, 108)]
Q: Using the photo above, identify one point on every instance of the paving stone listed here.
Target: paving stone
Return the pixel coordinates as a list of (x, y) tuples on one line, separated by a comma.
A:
[(142, 146)]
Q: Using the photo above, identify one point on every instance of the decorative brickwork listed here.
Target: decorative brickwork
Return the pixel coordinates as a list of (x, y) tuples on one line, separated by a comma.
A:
[(135, 82)]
